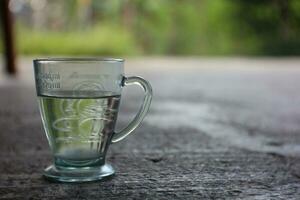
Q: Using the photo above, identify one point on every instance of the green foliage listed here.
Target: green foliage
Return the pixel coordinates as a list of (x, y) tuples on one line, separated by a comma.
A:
[(99, 40), (170, 27), (152, 28), (272, 25)]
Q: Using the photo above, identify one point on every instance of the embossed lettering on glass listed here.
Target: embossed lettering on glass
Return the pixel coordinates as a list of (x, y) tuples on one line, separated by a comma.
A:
[(79, 101)]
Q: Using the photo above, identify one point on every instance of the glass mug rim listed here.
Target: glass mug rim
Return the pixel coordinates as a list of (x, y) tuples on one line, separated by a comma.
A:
[(79, 59)]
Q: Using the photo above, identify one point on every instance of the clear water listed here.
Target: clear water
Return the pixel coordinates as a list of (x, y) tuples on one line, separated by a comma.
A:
[(79, 127)]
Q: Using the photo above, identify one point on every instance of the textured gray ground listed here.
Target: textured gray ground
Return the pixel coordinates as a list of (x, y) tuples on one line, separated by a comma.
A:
[(217, 129)]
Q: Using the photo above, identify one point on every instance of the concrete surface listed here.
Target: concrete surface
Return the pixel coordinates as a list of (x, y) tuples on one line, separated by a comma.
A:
[(218, 128)]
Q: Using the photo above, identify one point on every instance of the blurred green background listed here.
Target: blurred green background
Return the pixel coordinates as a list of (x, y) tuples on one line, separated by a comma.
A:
[(157, 27)]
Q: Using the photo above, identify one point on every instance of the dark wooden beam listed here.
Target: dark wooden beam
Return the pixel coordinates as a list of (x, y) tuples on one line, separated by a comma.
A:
[(8, 37)]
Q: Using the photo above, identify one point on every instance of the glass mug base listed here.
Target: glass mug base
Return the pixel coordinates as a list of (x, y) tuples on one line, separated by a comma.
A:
[(78, 175)]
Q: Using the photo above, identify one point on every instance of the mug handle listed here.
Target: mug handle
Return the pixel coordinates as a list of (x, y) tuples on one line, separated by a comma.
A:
[(135, 80)]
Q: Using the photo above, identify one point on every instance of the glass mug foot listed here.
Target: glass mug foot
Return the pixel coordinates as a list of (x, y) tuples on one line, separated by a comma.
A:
[(78, 175)]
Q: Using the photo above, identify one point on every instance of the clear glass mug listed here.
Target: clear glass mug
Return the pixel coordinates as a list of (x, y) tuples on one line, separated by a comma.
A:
[(79, 101)]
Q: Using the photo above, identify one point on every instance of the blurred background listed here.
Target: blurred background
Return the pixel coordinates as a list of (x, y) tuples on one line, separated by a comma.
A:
[(225, 76), (164, 27)]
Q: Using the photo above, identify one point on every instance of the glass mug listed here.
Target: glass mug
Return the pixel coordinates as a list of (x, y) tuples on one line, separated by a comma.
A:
[(79, 101)]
